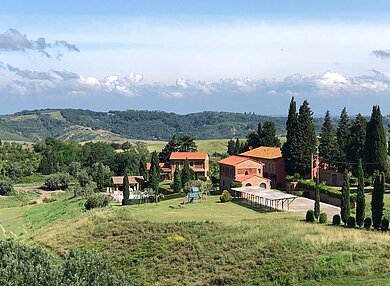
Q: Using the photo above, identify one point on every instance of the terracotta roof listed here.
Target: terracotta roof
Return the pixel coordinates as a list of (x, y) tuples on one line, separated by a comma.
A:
[(188, 155), (233, 160), (264, 153), (118, 180), (148, 165), (246, 177)]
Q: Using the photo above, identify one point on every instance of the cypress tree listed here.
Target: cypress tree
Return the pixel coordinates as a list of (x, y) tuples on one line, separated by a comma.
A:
[(375, 148), (360, 199), (142, 168), (292, 126), (317, 208), (186, 173), (154, 175), (328, 143), (377, 203), (306, 141), (268, 136), (177, 185), (345, 199), (126, 186), (237, 147), (343, 140), (253, 139), (357, 142), (230, 147)]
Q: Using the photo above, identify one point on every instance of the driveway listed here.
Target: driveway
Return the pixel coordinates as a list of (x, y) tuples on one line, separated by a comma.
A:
[(302, 205)]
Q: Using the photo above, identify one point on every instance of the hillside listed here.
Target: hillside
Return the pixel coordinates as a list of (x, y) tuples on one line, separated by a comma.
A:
[(86, 125)]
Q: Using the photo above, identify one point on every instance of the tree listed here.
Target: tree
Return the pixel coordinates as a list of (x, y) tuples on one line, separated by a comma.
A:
[(237, 147), (101, 174), (178, 144), (343, 140), (126, 146), (253, 139), (267, 134), (187, 174), (360, 199), (83, 178), (377, 203), (142, 171), (328, 142), (126, 188), (292, 125), (230, 147), (177, 184), (317, 208), (357, 142), (345, 199), (187, 144), (154, 175), (375, 148)]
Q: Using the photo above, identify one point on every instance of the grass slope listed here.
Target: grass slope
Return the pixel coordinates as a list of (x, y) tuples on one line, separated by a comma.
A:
[(223, 244)]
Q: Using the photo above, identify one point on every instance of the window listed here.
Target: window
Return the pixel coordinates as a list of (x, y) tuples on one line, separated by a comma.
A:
[(259, 171), (191, 164)]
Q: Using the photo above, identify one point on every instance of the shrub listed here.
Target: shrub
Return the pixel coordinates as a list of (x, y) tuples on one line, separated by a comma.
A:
[(225, 197), (57, 181), (336, 220), (353, 180), (48, 200), (203, 178), (310, 216), (235, 184), (351, 222), (97, 201), (385, 224), (367, 223), (6, 187), (323, 218)]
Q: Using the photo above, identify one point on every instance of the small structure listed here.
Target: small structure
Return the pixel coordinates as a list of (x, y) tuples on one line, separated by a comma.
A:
[(193, 196), (135, 183), (268, 199), (332, 178)]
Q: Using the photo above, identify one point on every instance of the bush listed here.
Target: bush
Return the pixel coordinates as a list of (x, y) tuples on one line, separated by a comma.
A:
[(351, 222), (225, 197), (6, 187), (367, 223), (353, 180), (310, 216), (57, 181), (323, 218), (235, 184), (202, 178), (336, 220), (48, 200), (97, 201), (385, 224)]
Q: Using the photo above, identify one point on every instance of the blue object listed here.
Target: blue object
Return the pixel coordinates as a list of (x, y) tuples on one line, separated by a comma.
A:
[(195, 190)]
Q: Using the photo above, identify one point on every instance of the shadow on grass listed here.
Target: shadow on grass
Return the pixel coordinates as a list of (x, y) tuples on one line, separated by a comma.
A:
[(258, 209)]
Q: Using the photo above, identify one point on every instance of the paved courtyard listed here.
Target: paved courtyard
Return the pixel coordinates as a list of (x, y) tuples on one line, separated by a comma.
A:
[(302, 205)]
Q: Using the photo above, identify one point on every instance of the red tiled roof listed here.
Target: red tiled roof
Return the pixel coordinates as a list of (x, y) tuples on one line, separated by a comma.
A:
[(233, 160), (264, 153), (118, 180), (188, 155), (246, 177)]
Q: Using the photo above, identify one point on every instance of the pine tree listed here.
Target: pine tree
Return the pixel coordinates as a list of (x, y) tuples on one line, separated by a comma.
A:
[(154, 175), (230, 147), (377, 203), (186, 173), (267, 135), (328, 143), (177, 184), (343, 140), (292, 126), (253, 139), (172, 146), (317, 208), (360, 199), (237, 147), (142, 171), (306, 141), (345, 199), (357, 142), (126, 187), (375, 148)]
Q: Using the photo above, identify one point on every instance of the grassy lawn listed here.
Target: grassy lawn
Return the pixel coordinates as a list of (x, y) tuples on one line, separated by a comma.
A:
[(368, 205), (222, 244)]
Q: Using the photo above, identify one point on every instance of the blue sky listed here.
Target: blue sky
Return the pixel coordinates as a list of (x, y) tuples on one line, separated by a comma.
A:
[(188, 56)]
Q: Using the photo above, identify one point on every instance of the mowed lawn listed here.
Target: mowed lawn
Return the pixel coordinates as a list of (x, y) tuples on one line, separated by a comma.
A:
[(211, 243)]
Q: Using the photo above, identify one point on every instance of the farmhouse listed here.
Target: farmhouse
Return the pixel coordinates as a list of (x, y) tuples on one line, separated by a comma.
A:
[(135, 182), (199, 162), (244, 170)]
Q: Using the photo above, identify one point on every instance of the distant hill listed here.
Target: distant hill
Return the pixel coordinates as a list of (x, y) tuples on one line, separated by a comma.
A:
[(85, 125)]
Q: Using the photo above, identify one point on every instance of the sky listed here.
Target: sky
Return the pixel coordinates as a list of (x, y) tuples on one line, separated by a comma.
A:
[(194, 55)]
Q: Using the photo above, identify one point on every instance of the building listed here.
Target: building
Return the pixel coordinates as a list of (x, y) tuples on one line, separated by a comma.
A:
[(331, 177), (135, 183), (165, 171), (244, 170), (199, 162), (273, 163)]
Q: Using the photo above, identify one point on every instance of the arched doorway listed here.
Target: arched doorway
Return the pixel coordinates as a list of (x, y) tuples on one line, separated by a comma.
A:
[(263, 185), (248, 185)]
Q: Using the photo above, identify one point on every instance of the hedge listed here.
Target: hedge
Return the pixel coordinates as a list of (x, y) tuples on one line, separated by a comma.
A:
[(324, 189), (172, 196)]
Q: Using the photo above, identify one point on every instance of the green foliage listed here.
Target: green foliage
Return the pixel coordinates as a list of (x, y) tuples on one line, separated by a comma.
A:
[(385, 224), (74, 168), (57, 181), (6, 187), (235, 184), (225, 197), (328, 147), (377, 203), (287, 149), (351, 222), (101, 174), (343, 140), (154, 175), (367, 223), (230, 147), (83, 178), (178, 144), (310, 217), (126, 189), (360, 197), (375, 147), (317, 200), (142, 171), (177, 184), (97, 200), (187, 174), (267, 134), (357, 142), (345, 199), (323, 218), (336, 220)]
